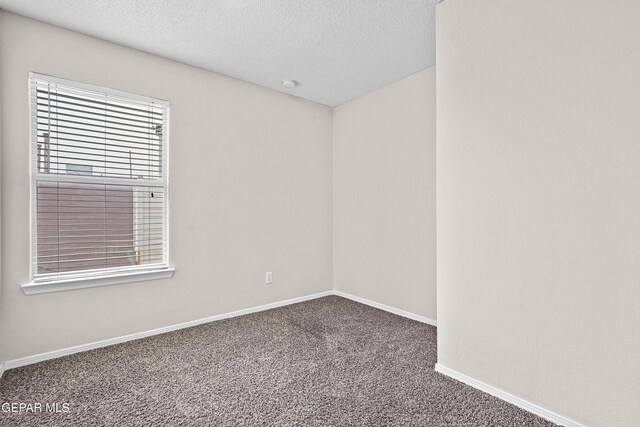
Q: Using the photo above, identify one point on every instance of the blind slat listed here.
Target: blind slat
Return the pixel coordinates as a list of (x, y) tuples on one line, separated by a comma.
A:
[(46, 120), (96, 122), (151, 144), (63, 261), (54, 129), (54, 101), (47, 94), (107, 246), (107, 116)]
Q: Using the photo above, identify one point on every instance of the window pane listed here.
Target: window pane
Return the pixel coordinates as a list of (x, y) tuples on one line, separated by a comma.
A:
[(93, 226), (106, 137)]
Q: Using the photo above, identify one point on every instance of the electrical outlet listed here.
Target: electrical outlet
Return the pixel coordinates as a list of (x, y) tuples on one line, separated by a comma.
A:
[(268, 278)]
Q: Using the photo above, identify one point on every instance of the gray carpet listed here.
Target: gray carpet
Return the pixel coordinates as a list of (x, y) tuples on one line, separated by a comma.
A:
[(326, 362)]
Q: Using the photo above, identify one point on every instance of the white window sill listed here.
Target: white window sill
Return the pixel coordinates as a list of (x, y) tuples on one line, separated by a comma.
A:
[(34, 288)]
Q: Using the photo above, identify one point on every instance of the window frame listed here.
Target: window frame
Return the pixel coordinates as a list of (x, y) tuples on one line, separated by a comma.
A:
[(104, 276)]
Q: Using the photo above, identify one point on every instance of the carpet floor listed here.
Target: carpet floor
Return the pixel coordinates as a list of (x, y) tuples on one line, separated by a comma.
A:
[(325, 362)]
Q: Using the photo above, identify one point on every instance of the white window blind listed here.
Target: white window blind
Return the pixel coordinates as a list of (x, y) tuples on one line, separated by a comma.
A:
[(99, 187)]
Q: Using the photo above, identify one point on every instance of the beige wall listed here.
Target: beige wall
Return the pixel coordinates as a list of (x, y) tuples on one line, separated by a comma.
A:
[(539, 201), (384, 195), (250, 174)]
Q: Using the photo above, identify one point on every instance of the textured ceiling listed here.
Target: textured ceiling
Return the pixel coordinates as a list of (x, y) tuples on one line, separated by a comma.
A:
[(336, 50)]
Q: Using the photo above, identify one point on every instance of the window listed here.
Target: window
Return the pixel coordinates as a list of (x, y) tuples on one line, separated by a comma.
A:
[(99, 187)]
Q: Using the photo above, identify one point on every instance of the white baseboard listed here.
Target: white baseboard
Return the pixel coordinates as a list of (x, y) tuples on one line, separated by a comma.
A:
[(384, 307), (16, 363), (528, 406), (508, 397)]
